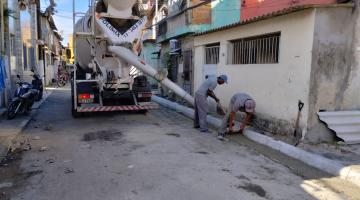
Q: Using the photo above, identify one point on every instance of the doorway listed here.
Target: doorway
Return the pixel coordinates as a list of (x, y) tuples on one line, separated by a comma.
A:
[(188, 74)]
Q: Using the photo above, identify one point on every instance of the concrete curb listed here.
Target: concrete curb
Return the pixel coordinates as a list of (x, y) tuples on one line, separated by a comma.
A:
[(11, 141), (349, 173)]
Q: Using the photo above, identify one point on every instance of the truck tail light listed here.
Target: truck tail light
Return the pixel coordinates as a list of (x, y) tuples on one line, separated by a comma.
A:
[(86, 98)]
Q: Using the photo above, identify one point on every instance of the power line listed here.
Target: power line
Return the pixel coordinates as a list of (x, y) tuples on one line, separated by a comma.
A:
[(63, 16)]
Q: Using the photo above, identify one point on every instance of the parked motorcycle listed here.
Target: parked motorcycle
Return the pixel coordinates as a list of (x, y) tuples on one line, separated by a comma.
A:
[(38, 85), (23, 99)]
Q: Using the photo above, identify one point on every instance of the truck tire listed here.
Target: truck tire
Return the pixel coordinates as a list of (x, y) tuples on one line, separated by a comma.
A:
[(143, 112), (11, 109), (74, 113)]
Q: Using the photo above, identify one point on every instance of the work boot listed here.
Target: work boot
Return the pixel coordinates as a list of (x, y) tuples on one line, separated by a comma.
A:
[(206, 131)]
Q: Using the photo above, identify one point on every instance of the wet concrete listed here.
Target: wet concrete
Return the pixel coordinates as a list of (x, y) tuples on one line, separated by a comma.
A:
[(105, 135), (253, 188)]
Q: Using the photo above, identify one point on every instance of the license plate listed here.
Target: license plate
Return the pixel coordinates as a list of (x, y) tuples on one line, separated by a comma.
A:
[(86, 100)]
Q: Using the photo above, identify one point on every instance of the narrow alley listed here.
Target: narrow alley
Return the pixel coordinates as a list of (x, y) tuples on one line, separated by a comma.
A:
[(180, 100)]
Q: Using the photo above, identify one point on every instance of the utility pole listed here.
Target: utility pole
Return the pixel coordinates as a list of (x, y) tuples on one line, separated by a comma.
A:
[(34, 35), (2, 49), (156, 8), (2, 23), (155, 20)]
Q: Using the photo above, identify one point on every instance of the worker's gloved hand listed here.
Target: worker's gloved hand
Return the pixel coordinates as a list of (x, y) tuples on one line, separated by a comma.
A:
[(240, 131)]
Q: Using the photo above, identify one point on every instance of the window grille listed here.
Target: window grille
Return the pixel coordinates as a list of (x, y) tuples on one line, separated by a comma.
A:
[(212, 53), (255, 50)]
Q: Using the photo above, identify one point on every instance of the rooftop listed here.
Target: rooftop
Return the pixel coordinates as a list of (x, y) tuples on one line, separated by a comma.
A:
[(274, 14)]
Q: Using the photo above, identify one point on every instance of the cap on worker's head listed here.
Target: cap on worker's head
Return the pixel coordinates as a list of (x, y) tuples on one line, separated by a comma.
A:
[(249, 106), (224, 78)]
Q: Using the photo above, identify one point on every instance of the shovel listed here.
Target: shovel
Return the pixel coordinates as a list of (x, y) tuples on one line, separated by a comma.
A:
[(298, 131)]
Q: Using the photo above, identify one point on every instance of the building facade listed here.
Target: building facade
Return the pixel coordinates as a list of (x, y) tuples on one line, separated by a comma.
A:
[(177, 22), (4, 89), (51, 48), (305, 53), (19, 42), (22, 43), (254, 8)]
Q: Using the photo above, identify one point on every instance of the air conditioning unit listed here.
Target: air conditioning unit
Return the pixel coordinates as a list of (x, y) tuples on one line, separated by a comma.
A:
[(175, 48)]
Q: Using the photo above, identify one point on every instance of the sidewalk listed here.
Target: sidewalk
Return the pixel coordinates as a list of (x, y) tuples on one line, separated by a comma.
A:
[(10, 129), (2, 111)]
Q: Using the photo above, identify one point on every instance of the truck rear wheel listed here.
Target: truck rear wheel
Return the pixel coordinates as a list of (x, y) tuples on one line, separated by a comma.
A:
[(143, 112), (74, 113)]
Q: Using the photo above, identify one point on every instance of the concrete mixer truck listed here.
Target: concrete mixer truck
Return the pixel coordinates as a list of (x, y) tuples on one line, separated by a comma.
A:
[(107, 42)]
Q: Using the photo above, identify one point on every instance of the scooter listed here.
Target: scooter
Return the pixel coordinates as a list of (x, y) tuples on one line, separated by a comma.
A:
[(23, 100), (38, 85)]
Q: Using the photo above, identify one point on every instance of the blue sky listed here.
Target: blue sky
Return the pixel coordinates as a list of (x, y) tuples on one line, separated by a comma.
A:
[(63, 16)]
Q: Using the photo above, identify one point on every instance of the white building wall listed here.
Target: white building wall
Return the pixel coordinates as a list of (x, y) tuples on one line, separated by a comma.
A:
[(275, 87), (334, 78), (352, 94)]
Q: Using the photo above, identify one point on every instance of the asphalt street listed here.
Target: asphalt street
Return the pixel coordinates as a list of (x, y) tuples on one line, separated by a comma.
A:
[(158, 156)]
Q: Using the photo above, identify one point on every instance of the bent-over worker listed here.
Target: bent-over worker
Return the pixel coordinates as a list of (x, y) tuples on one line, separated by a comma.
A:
[(201, 105), (239, 102)]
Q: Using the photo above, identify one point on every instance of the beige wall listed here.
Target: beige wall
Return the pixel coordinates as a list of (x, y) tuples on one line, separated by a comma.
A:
[(335, 81), (352, 94), (275, 87)]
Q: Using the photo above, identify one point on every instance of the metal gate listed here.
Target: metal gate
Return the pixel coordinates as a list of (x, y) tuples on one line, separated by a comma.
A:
[(188, 74)]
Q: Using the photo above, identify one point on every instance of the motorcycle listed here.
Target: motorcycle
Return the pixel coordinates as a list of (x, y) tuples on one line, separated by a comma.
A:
[(24, 98), (38, 85)]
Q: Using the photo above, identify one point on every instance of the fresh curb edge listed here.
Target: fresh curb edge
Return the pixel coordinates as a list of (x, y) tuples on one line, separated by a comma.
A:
[(332, 167)]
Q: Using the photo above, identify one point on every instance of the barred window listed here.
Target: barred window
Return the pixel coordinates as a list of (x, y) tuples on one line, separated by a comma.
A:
[(212, 53), (262, 49)]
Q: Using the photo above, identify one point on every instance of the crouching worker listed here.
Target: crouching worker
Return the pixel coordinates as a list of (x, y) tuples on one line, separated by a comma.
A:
[(201, 105), (239, 102)]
